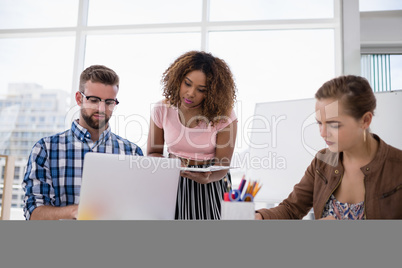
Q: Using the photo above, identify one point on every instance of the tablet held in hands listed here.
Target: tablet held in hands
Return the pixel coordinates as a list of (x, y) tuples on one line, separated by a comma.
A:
[(206, 169)]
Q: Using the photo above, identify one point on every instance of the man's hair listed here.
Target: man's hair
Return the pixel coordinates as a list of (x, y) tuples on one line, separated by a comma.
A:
[(98, 74)]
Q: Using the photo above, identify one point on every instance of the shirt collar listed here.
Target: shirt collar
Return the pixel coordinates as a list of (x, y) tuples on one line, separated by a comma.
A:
[(83, 134)]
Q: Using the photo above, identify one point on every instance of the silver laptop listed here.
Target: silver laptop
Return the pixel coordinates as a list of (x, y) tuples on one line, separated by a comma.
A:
[(122, 187)]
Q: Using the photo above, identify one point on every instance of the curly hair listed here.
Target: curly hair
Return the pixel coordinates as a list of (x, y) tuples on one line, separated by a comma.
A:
[(221, 88)]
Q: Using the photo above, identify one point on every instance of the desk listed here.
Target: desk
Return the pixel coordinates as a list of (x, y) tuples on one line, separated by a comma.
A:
[(260, 204)]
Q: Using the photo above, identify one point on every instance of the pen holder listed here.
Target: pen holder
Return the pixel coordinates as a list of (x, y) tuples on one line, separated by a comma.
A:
[(237, 210)]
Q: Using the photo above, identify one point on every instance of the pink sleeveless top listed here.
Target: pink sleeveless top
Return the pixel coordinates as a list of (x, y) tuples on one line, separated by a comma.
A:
[(196, 143)]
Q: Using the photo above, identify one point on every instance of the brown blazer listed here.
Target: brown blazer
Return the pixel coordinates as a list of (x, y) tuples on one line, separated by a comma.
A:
[(382, 180)]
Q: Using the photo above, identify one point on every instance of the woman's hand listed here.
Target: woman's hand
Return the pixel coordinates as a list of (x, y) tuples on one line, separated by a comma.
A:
[(330, 217), (200, 177), (258, 216)]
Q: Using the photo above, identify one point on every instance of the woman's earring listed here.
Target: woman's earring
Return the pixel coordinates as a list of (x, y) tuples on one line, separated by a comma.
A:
[(364, 135)]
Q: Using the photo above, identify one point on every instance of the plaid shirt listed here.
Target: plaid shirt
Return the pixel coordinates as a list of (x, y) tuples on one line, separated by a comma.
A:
[(54, 169)]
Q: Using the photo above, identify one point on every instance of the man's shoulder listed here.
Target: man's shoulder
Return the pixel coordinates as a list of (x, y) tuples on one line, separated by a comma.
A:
[(117, 137), (126, 142), (55, 137), (42, 146)]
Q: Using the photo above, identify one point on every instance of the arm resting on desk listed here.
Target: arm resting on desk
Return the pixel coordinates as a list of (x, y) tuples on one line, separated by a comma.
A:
[(54, 213)]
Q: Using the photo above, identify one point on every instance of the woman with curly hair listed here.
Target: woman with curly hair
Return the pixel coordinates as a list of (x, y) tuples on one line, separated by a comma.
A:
[(197, 122)]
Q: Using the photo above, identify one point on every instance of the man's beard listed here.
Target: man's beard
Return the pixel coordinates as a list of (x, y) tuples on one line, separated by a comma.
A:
[(95, 124)]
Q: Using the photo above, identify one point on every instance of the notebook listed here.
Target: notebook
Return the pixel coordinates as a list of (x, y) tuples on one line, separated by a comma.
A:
[(122, 187)]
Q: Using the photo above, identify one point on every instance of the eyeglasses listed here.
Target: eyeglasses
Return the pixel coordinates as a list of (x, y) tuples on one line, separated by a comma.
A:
[(96, 100)]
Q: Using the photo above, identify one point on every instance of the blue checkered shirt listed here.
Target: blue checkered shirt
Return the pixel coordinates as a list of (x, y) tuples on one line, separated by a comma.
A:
[(54, 169)]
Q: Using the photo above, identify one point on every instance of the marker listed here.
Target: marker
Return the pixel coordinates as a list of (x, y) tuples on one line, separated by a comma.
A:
[(242, 183)]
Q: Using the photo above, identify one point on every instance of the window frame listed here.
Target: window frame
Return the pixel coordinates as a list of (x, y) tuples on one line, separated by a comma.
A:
[(82, 30)]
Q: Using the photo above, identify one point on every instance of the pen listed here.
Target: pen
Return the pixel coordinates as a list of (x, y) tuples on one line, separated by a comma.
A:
[(236, 195), (228, 185), (251, 191), (254, 185), (226, 194), (242, 183), (247, 192), (256, 190), (248, 187)]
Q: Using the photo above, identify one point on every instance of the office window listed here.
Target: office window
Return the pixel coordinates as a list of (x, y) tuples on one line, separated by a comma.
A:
[(2, 171), (383, 71), (29, 64), (38, 14), (379, 5), (396, 71), (276, 49), (122, 12), (140, 61), (274, 67), (240, 10)]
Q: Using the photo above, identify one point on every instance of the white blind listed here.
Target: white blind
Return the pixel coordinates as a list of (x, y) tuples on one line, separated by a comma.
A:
[(377, 69)]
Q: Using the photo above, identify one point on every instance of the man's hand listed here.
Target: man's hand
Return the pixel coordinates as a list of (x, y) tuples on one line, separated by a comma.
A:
[(55, 213)]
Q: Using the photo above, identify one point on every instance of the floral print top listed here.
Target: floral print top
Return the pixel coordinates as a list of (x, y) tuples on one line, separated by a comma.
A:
[(343, 211)]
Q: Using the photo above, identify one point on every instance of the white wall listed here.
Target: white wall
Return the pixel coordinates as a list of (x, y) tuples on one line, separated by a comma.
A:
[(381, 31)]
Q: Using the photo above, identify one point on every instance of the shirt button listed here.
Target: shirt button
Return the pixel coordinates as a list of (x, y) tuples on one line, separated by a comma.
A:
[(336, 171), (368, 169)]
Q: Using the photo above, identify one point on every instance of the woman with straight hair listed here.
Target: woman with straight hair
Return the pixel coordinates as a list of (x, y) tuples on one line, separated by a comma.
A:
[(358, 176)]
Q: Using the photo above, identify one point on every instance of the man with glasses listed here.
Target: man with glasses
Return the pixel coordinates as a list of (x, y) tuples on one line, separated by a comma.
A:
[(52, 181)]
